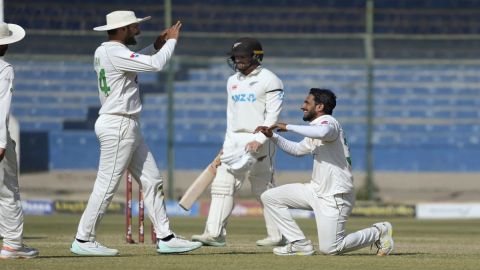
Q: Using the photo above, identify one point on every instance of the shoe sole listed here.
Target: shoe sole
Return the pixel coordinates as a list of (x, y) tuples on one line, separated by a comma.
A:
[(93, 254), (183, 250), (83, 252), (309, 253), (17, 257)]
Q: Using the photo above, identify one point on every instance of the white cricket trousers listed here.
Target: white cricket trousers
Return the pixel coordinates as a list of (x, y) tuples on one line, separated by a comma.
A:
[(122, 148), (331, 214), (11, 213)]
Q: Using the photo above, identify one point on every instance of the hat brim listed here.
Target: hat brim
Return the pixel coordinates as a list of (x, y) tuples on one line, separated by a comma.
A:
[(118, 25), (17, 33)]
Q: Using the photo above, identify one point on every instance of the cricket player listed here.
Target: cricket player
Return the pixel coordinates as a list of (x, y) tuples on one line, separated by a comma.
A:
[(122, 146), (255, 97), (330, 193), (11, 213)]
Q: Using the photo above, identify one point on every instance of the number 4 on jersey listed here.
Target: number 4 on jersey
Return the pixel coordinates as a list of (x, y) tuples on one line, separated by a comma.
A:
[(102, 81)]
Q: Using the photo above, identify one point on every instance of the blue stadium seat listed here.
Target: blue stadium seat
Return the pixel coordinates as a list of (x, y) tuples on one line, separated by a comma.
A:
[(429, 107)]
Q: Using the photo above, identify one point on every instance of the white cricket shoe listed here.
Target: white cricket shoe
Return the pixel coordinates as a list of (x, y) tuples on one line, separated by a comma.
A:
[(271, 242), (24, 252), (92, 249), (385, 242), (208, 240), (302, 247), (176, 245)]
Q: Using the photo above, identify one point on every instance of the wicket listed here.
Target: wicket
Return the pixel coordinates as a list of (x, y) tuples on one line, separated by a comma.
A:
[(141, 215)]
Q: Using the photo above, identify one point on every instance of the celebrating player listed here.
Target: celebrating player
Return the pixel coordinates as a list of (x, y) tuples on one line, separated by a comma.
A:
[(255, 97), (330, 194), (122, 146), (11, 213)]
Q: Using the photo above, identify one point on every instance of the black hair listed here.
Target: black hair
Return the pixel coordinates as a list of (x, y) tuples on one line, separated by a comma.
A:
[(325, 97)]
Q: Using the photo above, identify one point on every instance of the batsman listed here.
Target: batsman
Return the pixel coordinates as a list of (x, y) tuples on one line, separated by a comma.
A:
[(255, 97)]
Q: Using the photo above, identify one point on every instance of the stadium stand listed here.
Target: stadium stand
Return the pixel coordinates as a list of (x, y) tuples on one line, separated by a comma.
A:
[(421, 107), (280, 16), (426, 115)]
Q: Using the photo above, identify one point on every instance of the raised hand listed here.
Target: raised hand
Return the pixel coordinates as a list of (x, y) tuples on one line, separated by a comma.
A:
[(171, 32), (174, 31)]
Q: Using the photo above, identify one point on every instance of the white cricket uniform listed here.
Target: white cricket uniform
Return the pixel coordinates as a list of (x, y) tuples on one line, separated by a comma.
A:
[(122, 146), (11, 213), (330, 193), (253, 100)]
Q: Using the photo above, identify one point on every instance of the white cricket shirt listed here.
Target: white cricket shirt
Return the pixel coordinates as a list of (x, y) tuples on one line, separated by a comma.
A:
[(117, 67), (253, 100), (6, 89), (332, 172)]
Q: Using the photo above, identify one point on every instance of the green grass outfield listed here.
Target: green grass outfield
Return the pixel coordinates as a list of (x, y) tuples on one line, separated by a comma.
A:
[(419, 245)]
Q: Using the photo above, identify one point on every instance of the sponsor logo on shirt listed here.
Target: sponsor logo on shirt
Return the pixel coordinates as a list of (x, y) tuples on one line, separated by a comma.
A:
[(234, 87), (244, 98), (134, 55), (324, 122)]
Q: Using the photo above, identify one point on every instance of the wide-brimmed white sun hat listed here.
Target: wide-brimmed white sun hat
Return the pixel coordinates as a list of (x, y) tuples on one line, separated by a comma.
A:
[(10, 33), (119, 19)]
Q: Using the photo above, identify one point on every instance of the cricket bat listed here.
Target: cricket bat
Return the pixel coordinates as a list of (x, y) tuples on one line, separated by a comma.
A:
[(200, 184)]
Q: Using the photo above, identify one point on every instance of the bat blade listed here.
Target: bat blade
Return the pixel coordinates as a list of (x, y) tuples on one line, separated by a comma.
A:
[(200, 184)]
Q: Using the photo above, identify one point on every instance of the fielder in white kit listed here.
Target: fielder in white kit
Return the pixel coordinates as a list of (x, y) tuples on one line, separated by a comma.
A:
[(11, 212), (330, 193), (255, 97), (122, 146)]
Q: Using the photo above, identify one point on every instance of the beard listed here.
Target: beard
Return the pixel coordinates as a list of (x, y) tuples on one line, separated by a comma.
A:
[(309, 116), (3, 49), (131, 41)]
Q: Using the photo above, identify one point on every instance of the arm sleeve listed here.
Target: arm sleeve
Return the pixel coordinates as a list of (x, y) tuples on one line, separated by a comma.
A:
[(6, 80), (273, 107), (293, 148), (326, 132), (135, 62)]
